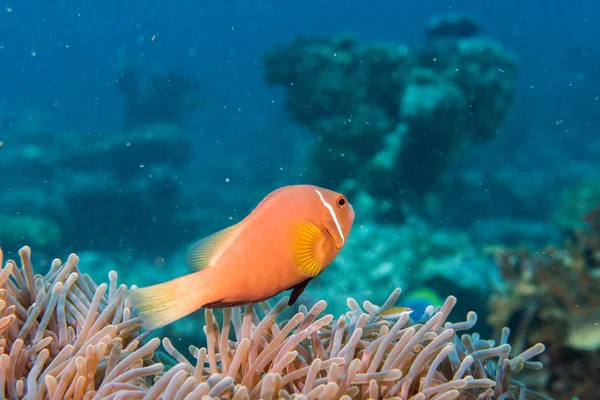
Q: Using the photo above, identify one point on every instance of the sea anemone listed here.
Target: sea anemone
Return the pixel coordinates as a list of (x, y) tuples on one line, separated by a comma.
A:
[(64, 336)]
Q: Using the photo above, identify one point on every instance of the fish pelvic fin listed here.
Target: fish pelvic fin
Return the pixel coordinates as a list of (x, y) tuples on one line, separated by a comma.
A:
[(162, 304), (202, 251), (297, 291)]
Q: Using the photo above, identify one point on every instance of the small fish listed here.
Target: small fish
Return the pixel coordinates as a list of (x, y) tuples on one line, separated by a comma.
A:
[(293, 234), (394, 313), (418, 300)]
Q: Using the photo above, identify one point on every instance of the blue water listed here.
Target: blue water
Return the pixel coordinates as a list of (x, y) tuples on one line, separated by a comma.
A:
[(60, 58), (59, 66), (77, 46)]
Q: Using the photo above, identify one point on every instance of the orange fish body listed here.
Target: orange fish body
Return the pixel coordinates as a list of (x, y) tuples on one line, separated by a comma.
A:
[(287, 240)]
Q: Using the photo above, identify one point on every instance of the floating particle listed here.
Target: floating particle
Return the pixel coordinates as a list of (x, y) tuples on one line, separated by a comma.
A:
[(159, 262)]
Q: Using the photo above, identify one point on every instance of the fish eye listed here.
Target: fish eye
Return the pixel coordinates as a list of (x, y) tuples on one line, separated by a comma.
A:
[(341, 202)]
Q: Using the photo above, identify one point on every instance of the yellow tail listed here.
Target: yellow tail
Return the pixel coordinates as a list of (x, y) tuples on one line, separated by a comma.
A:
[(161, 304)]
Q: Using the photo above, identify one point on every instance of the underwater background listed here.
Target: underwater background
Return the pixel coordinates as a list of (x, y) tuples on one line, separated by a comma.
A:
[(464, 133)]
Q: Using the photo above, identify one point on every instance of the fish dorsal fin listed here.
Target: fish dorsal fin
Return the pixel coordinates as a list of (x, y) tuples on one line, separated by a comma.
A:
[(200, 252), (307, 247), (268, 199)]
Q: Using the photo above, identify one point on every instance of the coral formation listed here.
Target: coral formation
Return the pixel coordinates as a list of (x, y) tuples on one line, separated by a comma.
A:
[(42, 232), (165, 98), (377, 258), (552, 296), (63, 336), (102, 178), (380, 109), (453, 26), (99, 180), (575, 201)]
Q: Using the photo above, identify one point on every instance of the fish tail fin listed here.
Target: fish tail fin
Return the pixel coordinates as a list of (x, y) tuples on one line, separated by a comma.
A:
[(162, 304)]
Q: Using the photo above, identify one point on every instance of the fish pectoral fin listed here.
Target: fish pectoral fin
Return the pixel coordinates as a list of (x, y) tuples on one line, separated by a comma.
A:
[(200, 252), (298, 289), (307, 248)]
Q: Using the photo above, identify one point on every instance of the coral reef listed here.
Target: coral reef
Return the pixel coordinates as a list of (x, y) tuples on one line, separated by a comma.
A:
[(510, 188), (166, 98), (377, 258), (63, 336), (379, 110), (453, 26), (575, 201), (41, 232), (553, 296), (99, 180)]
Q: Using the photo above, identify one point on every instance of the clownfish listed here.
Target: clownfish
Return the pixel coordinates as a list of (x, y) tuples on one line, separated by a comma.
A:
[(289, 238)]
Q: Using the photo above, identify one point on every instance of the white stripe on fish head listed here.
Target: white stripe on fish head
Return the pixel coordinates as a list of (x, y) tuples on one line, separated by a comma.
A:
[(332, 212)]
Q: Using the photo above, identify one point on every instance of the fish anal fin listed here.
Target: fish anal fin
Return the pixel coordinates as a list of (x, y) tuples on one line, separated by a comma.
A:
[(297, 291), (222, 303), (307, 248), (200, 252)]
